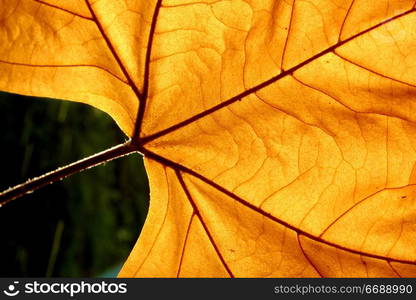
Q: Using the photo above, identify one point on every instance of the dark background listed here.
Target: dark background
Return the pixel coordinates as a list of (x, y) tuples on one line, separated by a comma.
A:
[(83, 226)]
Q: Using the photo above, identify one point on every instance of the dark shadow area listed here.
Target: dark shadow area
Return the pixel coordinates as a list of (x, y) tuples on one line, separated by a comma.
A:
[(82, 226)]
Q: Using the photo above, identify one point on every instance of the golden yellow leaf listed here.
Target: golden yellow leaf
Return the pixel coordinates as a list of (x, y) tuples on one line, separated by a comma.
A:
[(279, 136)]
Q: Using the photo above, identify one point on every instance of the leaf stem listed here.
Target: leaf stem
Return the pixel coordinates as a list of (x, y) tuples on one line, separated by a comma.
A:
[(60, 173)]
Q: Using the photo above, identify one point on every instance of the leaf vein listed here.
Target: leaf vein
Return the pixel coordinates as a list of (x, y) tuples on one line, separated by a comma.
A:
[(114, 53), (65, 10), (307, 257), (264, 84), (198, 214), (179, 167)]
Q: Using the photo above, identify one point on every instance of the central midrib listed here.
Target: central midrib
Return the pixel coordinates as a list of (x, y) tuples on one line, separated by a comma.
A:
[(264, 84)]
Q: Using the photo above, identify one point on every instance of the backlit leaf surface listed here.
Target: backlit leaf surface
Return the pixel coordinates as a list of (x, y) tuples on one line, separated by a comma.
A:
[(279, 136)]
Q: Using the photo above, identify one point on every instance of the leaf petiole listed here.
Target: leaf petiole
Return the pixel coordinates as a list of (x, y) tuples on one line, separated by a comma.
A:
[(62, 172)]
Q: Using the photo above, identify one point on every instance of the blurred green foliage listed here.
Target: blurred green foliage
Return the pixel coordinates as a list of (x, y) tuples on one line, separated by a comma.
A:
[(83, 225)]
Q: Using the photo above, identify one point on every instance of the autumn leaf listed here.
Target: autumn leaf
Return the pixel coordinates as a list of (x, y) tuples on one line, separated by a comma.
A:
[(279, 136)]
